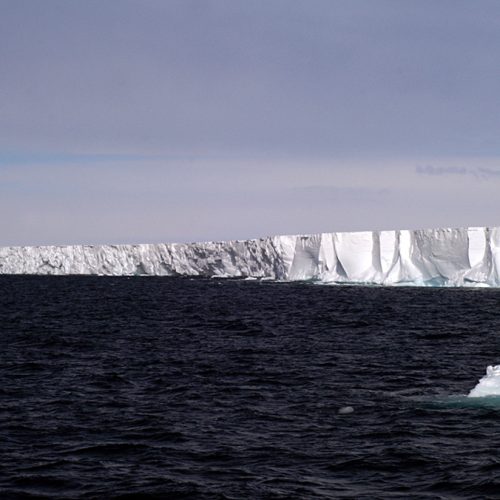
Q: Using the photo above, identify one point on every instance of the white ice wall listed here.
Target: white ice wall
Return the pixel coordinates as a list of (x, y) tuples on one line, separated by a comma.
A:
[(434, 257)]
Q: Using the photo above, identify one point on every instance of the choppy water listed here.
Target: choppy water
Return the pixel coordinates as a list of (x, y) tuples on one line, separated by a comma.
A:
[(168, 388)]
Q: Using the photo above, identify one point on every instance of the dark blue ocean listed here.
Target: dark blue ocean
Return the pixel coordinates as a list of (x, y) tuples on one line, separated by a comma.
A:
[(219, 389)]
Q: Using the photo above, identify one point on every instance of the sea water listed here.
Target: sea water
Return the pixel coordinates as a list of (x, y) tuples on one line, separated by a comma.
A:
[(170, 387)]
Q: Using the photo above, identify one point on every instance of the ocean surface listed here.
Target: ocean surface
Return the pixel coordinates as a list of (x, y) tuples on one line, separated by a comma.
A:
[(220, 389)]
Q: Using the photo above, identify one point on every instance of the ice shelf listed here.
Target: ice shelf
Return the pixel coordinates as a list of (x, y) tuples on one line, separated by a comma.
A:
[(428, 257)]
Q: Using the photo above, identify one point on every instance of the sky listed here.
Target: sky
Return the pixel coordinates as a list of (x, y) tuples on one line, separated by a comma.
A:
[(128, 121)]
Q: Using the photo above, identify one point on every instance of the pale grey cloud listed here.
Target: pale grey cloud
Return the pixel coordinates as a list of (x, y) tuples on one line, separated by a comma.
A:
[(431, 170), (479, 173)]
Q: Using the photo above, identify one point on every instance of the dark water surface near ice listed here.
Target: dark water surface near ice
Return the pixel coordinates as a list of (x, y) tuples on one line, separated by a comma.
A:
[(178, 388)]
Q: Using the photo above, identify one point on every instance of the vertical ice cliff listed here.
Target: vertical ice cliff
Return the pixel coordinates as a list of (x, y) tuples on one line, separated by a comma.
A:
[(433, 257)]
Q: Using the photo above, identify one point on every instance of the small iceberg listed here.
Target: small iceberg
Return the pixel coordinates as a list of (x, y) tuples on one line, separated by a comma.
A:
[(345, 410), (489, 385)]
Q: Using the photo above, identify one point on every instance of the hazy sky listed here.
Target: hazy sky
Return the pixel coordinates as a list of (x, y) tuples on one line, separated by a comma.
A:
[(161, 120)]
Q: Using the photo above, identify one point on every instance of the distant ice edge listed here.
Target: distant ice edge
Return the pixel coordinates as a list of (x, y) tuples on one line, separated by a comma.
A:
[(425, 257)]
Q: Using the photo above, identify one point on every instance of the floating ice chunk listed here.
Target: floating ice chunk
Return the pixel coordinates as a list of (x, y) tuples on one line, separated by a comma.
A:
[(489, 385), (345, 410)]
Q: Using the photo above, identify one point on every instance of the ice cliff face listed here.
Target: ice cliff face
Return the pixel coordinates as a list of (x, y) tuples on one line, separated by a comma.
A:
[(434, 257)]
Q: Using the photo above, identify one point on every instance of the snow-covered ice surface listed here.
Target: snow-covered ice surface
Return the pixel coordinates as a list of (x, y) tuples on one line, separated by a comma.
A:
[(489, 385), (430, 257)]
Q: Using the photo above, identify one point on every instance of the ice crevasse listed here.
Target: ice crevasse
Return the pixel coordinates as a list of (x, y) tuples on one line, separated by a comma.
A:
[(432, 257)]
